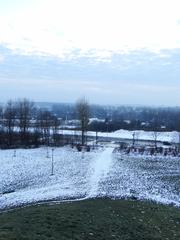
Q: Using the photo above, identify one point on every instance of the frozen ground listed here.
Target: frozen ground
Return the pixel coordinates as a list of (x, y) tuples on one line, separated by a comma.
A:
[(26, 177)]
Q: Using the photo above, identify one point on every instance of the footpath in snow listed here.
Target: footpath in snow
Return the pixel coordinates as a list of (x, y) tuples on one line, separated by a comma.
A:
[(100, 170)]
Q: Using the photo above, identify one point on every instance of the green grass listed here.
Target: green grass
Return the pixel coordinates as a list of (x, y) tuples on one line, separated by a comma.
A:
[(92, 219)]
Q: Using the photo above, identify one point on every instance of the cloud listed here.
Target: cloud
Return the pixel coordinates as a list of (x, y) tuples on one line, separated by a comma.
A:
[(143, 66), (133, 77), (112, 51), (60, 27)]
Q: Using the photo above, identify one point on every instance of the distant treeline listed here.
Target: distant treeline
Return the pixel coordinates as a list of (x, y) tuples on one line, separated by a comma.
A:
[(24, 123), (126, 117)]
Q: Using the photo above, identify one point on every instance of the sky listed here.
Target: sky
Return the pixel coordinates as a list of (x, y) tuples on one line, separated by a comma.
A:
[(110, 51)]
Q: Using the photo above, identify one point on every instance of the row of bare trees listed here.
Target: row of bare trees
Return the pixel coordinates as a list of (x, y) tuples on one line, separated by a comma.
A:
[(21, 123)]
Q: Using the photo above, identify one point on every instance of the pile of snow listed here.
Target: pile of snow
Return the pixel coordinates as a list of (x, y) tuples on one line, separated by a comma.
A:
[(96, 120), (172, 137), (145, 135)]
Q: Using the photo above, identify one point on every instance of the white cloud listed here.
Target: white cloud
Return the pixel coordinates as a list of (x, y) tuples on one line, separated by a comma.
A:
[(57, 27)]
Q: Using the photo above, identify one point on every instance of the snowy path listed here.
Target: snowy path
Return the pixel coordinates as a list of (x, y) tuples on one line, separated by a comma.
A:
[(101, 168)]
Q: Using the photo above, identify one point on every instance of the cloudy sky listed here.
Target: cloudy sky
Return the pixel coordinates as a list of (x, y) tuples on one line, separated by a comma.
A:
[(111, 51)]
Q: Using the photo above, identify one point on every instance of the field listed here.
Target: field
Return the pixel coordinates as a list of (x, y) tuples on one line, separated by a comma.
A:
[(101, 194), (92, 219), (25, 176)]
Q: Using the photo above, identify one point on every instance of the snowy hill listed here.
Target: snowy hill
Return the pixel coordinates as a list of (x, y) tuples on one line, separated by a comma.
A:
[(25, 177)]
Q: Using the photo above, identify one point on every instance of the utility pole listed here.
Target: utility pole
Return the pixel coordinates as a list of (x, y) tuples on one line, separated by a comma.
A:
[(133, 135), (107, 129), (14, 153), (47, 153), (52, 162), (96, 137)]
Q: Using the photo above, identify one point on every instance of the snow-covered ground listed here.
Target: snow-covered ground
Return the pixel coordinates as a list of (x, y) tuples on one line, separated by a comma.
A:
[(172, 137), (25, 177)]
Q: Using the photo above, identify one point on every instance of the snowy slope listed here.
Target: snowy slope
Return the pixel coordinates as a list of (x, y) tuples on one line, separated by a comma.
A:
[(29, 175), (26, 177)]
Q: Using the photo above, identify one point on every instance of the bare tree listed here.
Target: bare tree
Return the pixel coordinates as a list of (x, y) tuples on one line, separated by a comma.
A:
[(135, 136), (83, 113), (9, 120), (55, 128), (25, 109), (45, 124), (155, 136), (1, 126), (155, 132), (1, 118), (178, 140)]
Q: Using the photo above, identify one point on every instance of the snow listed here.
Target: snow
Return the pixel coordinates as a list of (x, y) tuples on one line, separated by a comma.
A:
[(154, 178), (68, 127), (29, 175), (26, 178), (96, 120), (172, 137), (100, 171), (127, 121)]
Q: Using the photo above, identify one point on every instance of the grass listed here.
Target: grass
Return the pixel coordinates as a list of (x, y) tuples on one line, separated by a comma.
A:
[(98, 219)]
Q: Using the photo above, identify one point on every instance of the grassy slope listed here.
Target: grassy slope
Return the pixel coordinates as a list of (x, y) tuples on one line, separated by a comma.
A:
[(92, 219)]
